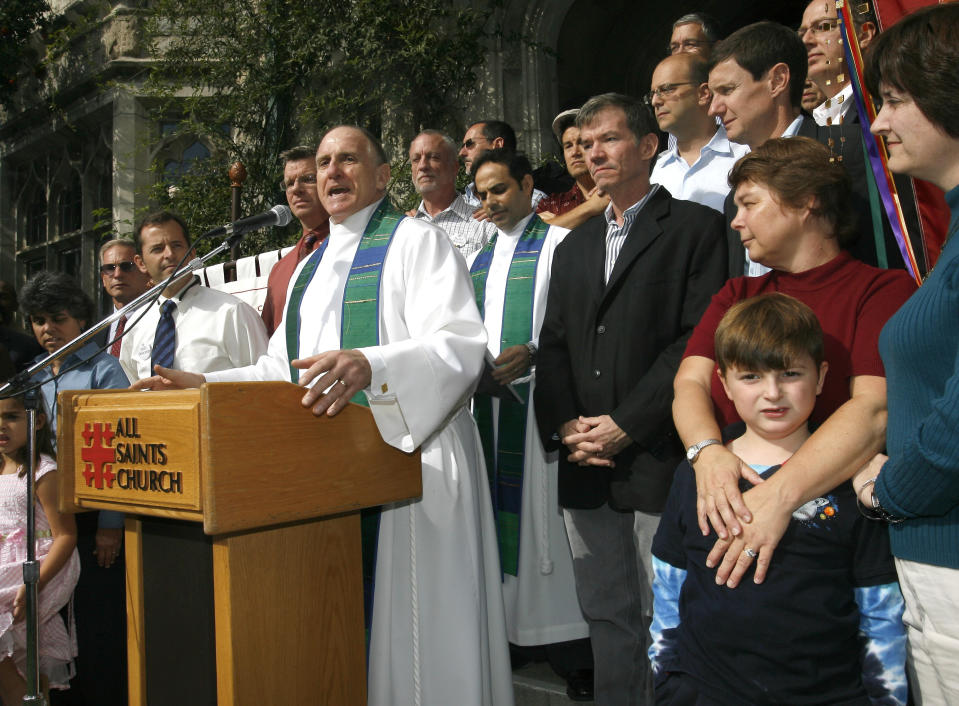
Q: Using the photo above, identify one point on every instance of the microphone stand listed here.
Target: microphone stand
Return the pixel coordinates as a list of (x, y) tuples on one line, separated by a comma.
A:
[(21, 385), (31, 569)]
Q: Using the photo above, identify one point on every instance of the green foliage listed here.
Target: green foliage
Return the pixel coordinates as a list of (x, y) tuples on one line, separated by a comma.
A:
[(280, 73), (19, 20)]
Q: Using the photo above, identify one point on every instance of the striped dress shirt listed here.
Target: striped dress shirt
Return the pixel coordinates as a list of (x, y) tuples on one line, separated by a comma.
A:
[(616, 234)]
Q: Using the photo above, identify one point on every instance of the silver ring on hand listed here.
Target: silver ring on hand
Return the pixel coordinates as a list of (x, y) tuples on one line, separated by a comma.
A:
[(751, 553), (343, 383)]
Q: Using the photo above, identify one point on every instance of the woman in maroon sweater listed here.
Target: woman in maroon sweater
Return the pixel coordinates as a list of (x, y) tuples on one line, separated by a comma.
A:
[(792, 216)]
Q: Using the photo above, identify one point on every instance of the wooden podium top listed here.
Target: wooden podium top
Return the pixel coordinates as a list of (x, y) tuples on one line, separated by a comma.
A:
[(234, 456)]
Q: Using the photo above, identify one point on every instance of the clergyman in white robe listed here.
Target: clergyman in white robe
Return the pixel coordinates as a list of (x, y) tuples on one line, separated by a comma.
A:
[(541, 603), (438, 631)]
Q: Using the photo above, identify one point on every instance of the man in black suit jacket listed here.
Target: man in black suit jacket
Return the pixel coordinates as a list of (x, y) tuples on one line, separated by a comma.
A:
[(625, 292)]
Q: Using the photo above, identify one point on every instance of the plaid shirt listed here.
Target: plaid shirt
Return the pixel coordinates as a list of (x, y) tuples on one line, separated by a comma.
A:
[(465, 232)]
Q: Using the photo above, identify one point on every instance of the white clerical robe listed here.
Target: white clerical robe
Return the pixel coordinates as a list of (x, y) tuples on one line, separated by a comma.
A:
[(439, 631), (541, 603)]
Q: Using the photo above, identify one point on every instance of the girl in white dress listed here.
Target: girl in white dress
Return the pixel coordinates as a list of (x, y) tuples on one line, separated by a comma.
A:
[(56, 539)]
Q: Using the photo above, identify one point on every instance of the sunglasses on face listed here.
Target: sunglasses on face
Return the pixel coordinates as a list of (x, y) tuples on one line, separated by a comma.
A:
[(125, 266)]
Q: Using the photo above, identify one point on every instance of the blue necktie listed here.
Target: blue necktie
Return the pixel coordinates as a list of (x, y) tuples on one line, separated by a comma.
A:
[(164, 343)]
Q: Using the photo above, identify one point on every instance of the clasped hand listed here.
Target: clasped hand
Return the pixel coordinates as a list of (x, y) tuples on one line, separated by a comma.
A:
[(593, 441)]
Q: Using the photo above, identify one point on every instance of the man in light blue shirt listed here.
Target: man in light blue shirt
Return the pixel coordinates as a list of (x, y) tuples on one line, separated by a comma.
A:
[(696, 164)]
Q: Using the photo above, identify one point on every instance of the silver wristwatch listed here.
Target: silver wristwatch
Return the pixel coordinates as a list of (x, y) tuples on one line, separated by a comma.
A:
[(692, 453)]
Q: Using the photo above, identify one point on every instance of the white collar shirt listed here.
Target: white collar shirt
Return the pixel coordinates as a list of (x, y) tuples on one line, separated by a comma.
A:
[(706, 181), (833, 110), (214, 331)]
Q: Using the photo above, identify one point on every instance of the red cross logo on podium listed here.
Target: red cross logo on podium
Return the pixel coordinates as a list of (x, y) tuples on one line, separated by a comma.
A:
[(98, 454)]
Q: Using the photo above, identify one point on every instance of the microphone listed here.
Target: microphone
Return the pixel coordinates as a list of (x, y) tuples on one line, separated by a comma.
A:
[(276, 216)]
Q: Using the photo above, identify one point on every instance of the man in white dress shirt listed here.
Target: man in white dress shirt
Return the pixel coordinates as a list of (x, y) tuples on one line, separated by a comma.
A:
[(537, 565), (438, 629), (212, 330), (696, 165)]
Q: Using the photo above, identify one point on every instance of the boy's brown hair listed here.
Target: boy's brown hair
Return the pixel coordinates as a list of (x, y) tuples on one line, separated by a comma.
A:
[(767, 332)]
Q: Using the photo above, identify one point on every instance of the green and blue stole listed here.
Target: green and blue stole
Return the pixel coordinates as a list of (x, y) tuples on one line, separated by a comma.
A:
[(505, 459), (359, 328)]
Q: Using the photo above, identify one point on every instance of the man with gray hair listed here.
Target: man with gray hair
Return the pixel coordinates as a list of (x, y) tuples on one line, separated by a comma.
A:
[(299, 184), (433, 166), (695, 33), (626, 289)]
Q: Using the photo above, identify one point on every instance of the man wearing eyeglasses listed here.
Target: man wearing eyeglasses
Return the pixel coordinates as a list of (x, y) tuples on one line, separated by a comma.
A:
[(820, 34), (697, 162), (123, 281), (299, 185), (694, 33)]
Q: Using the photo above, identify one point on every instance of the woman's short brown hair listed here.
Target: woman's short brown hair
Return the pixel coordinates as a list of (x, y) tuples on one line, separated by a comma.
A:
[(795, 169), (767, 332)]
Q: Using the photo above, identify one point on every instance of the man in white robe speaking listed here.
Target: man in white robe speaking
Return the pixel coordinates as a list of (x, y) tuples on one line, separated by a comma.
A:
[(383, 313), (511, 277)]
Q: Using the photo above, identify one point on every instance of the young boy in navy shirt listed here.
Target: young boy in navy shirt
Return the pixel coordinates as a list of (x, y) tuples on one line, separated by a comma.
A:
[(826, 625)]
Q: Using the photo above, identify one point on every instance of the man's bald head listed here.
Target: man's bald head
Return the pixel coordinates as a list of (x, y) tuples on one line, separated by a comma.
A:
[(351, 171)]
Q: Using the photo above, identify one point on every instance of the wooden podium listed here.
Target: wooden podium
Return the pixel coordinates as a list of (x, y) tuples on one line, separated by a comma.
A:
[(264, 604)]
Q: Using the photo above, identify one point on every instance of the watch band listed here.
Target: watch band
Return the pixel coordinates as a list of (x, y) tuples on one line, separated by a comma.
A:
[(531, 347), (692, 453)]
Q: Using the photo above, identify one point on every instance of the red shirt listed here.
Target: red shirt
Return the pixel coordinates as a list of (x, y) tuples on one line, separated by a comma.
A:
[(279, 279), (560, 203), (852, 300)]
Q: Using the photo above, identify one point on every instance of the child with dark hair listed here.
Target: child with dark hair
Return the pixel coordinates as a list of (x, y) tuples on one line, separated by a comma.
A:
[(826, 626)]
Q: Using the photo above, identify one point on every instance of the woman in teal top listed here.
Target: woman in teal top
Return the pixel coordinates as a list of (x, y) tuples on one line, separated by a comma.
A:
[(913, 66)]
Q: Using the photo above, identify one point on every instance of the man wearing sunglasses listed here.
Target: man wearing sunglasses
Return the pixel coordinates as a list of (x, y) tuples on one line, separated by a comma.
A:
[(122, 280), (482, 136)]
